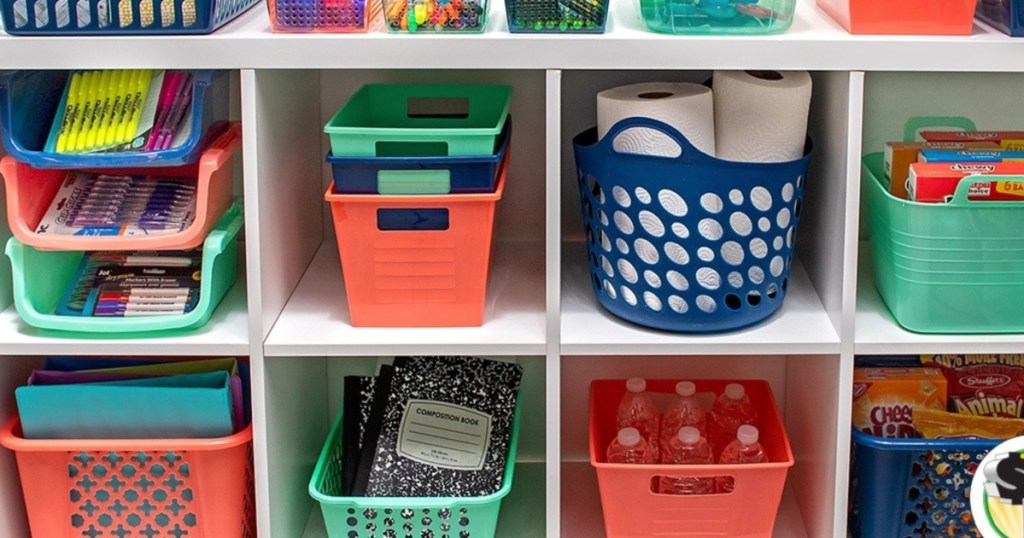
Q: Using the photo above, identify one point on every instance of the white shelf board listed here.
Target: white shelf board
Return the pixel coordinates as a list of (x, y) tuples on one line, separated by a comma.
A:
[(522, 511), (801, 326), (813, 42), (582, 516), (227, 334), (877, 333), (315, 322)]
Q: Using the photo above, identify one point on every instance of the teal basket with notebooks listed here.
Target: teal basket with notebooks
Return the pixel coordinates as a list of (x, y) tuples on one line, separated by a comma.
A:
[(36, 298), (362, 517), (948, 268)]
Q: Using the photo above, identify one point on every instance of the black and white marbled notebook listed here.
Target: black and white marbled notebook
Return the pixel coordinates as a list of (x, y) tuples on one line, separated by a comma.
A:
[(357, 408), (446, 428)]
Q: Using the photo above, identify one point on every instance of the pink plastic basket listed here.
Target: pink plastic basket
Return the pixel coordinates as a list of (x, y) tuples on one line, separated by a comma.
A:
[(632, 508)]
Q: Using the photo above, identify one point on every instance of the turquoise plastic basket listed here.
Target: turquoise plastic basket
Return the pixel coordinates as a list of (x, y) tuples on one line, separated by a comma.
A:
[(362, 517), (36, 298), (437, 120), (946, 268)]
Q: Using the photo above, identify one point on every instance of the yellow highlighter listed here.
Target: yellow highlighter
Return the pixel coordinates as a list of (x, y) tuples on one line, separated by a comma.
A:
[(100, 107), (70, 112), (141, 89), (112, 97), (126, 103), (90, 113), (89, 79), (110, 130)]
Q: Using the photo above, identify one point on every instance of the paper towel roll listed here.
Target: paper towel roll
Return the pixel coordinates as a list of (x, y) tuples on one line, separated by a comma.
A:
[(686, 106), (761, 116)]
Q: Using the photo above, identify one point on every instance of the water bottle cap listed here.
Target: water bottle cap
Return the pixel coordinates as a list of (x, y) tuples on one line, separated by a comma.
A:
[(629, 437), (735, 391), (688, 435), (686, 389), (636, 384), (747, 434)]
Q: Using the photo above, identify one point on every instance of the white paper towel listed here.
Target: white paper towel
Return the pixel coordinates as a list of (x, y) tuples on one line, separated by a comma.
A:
[(761, 116), (686, 106)]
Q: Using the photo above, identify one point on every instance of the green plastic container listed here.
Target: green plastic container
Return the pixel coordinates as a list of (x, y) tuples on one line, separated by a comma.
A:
[(389, 120), (918, 249), (343, 516), (718, 17), (40, 278)]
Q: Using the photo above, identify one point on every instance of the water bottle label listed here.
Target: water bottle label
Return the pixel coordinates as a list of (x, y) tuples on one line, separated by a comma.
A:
[(444, 435)]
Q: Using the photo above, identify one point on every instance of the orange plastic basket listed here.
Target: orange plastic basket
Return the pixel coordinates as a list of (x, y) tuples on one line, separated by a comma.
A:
[(402, 277), (31, 190), (632, 509), (151, 487), (905, 17)]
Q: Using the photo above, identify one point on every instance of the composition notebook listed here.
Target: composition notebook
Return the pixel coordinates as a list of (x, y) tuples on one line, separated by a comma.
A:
[(445, 429)]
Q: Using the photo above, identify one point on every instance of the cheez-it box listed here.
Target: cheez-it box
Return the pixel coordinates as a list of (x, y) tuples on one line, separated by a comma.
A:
[(884, 399)]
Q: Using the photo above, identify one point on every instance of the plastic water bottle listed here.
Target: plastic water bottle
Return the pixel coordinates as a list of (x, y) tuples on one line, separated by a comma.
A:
[(690, 448), (744, 449), (684, 410), (630, 447), (732, 409), (637, 410)]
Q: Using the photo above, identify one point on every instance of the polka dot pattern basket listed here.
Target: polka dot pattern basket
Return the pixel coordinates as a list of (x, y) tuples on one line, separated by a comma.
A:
[(688, 243)]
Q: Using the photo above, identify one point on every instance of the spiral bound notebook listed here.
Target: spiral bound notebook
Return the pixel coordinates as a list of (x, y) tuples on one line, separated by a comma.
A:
[(445, 428)]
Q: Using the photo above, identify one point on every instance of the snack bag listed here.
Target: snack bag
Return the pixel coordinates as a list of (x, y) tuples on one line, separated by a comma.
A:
[(983, 385), (883, 398), (934, 424)]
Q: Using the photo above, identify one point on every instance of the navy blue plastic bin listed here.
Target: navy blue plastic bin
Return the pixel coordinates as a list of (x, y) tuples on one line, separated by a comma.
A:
[(419, 175), (119, 17), (912, 487), (690, 243), (29, 101), (1006, 15)]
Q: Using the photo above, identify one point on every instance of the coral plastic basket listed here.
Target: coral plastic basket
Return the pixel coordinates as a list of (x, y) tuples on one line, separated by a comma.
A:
[(120, 17), (416, 261), (36, 298), (30, 192), (633, 509), (363, 517), (30, 100), (906, 17), (151, 487), (435, 120), (689, 243), (912, 487), (1006, 15)]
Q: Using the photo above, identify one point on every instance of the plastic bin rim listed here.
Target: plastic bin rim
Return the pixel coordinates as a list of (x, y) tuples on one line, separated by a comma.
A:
[(506, 139), (331, 196), (10, 437), (880, 443), (331, 128)]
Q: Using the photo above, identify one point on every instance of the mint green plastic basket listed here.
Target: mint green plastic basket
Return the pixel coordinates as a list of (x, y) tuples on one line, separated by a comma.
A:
[(946, 268), (40, 278), (362, 517), (433, 120)]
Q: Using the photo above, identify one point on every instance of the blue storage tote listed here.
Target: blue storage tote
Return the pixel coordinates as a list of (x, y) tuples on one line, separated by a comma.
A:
[(30, 100), (1006, 15), (912, 487), (419, 175), (123, 17), (690, 243)]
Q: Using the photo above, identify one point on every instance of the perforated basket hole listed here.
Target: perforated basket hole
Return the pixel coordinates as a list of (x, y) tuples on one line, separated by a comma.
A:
[(761, 198), (705, 254), (652, 301), (590, 235), (800, 182), (787, 192), (776, 266), (777, 242), (677, 253), (755, 274), (706, 304), (595, 189), (711, 203), (740, 223), (652, 279), (597, 280), (785, 284), (607, 266), (678, 304), (773, 291), (710, 229), (621, 196), (708, 278), (735, 279), (733, 302), (622, 245), (732, 253), (796, 208), (624, 223), (754, 298), (764, 224), (783, 218), (758, 248), (651, 223), (646, 251), (672, 203), (627, 271), (677, 280), (604, 218), (736, 196), (610, 290), (680, 230), (606, 244), (789, 237), (642, 195), (628, 296)]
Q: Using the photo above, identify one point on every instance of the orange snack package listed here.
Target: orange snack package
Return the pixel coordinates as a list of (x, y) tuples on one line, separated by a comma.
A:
[(883, 398), (934, 424)]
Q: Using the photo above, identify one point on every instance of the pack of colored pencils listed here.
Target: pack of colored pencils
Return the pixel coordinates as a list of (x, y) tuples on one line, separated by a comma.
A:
[(119, 110)]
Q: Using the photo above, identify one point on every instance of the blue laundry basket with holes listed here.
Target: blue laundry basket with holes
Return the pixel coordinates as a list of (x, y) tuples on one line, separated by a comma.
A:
[(691, 243), (912, 487)]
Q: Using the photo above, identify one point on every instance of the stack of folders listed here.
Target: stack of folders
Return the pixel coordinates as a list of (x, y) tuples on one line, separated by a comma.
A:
[(99, 398)]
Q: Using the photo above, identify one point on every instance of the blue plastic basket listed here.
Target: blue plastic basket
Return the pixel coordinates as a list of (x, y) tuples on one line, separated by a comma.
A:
[(119, 17), (29, 101), (1006, 15), (419, 175), (912, 487), (690, 243)]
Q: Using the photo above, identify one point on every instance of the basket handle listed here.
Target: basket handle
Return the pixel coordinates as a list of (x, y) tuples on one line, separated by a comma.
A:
[(961, 196), (918, 123), (688, 153)]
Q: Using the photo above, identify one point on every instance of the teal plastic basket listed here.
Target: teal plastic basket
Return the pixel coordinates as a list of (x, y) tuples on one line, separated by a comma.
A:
[(36, 298), (394, 120), (362, 517), (946, 268)]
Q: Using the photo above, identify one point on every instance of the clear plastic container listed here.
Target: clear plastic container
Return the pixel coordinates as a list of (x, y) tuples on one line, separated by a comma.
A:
[(433, 16), (556, 16), (325, 16), (722, 17)]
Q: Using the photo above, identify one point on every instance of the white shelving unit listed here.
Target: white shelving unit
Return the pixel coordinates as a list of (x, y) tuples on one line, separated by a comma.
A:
[(288, 313)]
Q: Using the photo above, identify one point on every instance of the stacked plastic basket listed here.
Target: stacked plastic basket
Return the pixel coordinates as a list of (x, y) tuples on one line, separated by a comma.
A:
[(418, 171), (33, 175)]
